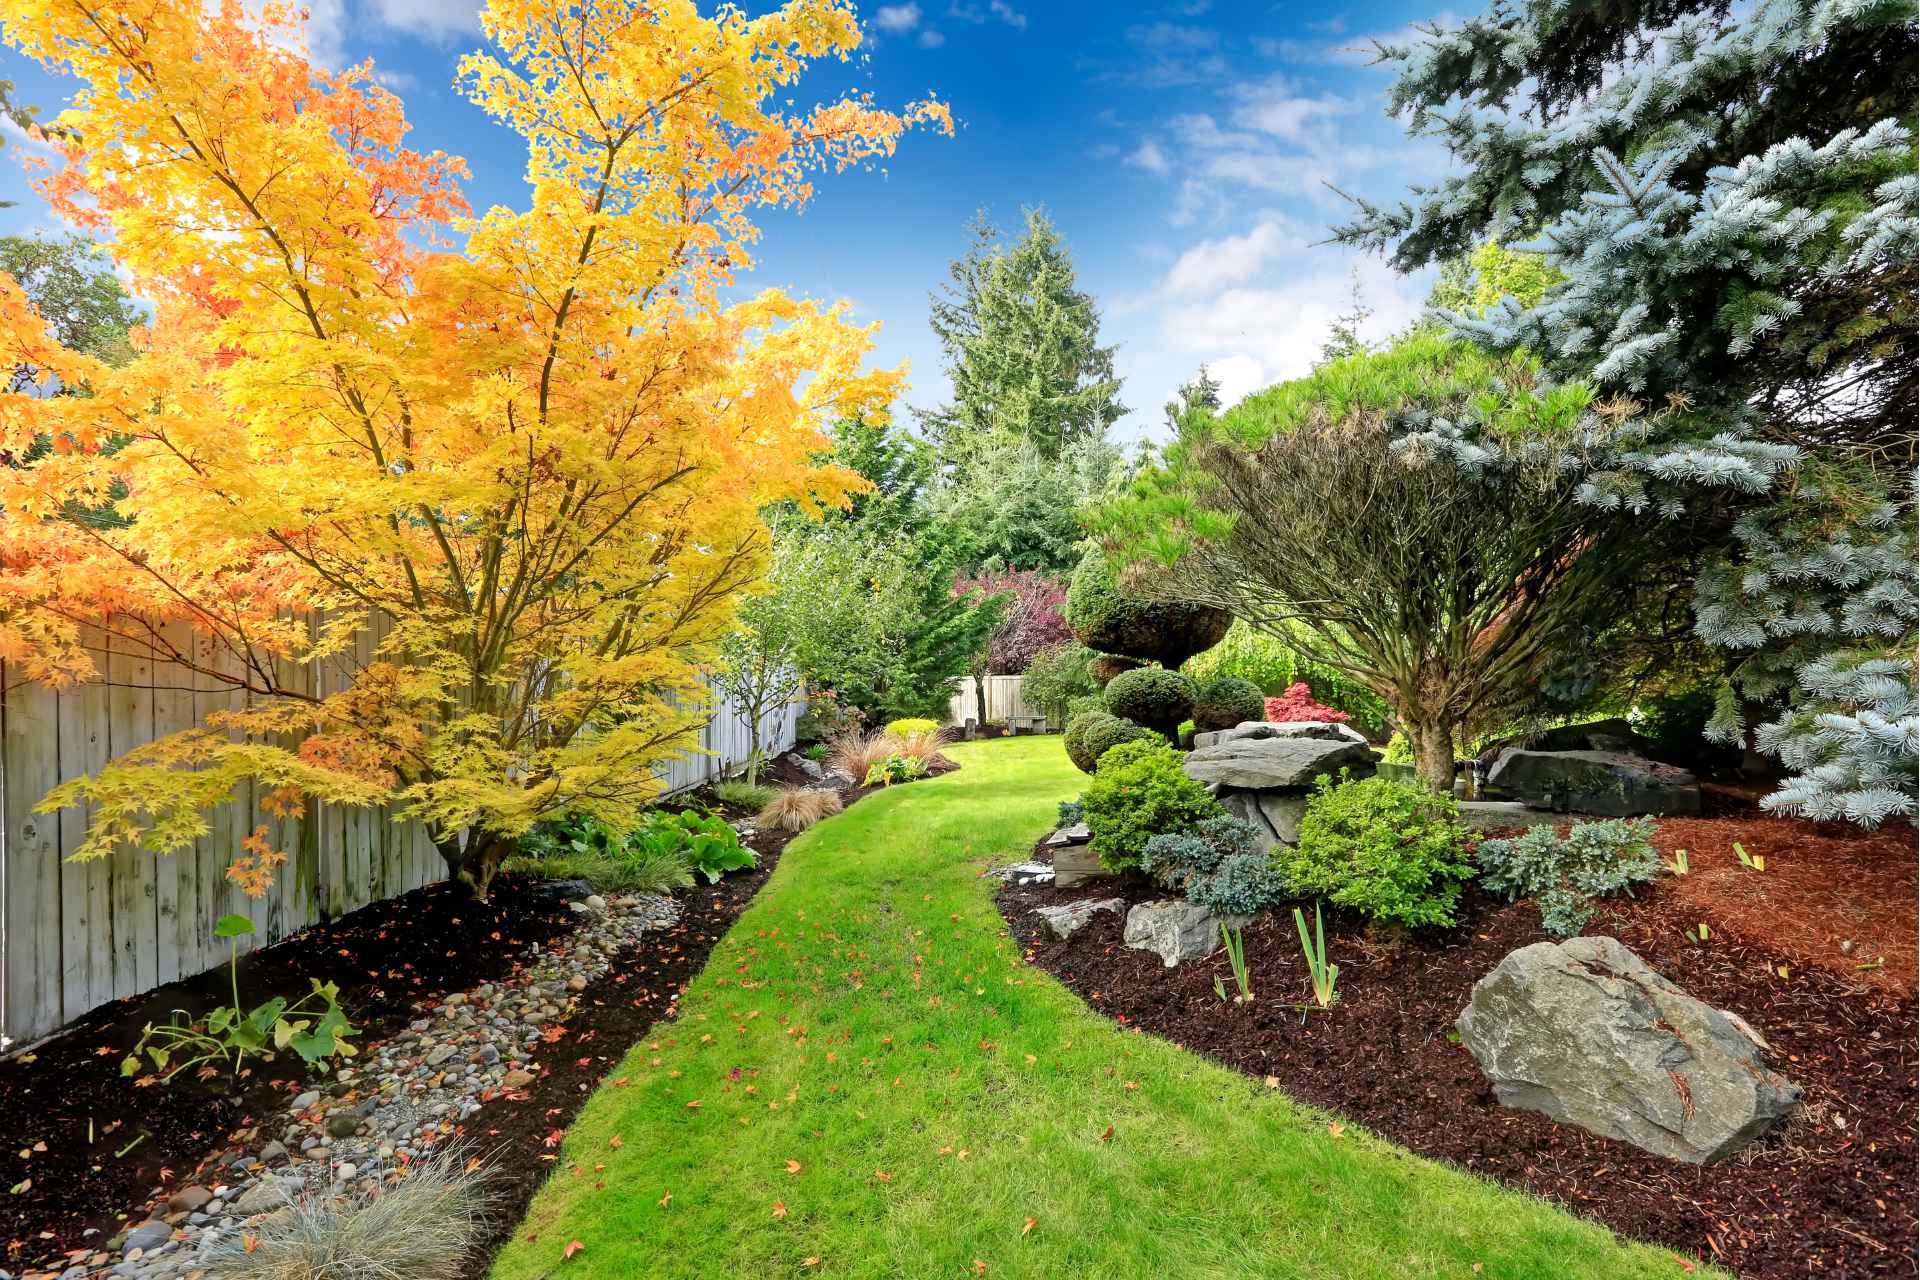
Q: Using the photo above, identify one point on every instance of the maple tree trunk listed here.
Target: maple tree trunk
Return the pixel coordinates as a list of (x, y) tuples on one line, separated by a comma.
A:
[(474, 861), (1433, 754)]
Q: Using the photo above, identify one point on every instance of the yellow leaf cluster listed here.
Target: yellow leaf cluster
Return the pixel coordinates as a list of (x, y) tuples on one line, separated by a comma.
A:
[(504, 470)]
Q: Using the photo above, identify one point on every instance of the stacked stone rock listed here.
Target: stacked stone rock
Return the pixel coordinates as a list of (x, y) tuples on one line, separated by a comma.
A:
[(1263, 773), (1603, 768)]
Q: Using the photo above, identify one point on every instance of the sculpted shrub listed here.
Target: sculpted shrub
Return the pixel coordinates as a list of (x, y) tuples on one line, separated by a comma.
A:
[(1152, 696), (1226, 701)]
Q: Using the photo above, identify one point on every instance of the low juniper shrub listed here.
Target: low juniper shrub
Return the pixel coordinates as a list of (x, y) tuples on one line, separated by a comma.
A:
[(1140, 791), (1567, 874), (1389, 850), (1072, 811), (1217, 865)]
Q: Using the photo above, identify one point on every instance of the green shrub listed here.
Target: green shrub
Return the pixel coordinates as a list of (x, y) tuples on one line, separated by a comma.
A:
[(1153, 696), (1107, 614), (912, 724), (1140, 791), (1225, 701), (1388, 850), (1398, 750), (896, 768), (1594, 860), (1217, 865), (711, 845), (817, 751), (1093, 734), (743, 795), (575, 848), (1057, 679)]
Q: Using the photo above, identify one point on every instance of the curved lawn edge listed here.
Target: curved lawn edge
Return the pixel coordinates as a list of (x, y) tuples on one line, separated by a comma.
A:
[(867, 1080)]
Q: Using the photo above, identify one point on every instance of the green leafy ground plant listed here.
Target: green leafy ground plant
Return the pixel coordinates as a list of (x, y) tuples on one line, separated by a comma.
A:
[(1389, 850), (313, 1026), (867, 1082)]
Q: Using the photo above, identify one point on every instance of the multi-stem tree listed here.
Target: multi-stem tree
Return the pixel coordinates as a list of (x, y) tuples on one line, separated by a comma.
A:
[(1395, 517), (517, 458)]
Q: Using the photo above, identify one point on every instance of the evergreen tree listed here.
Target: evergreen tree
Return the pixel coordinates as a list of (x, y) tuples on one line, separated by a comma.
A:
[(1730, 196), (1344, 339), (1022, 347), (1202, 394)]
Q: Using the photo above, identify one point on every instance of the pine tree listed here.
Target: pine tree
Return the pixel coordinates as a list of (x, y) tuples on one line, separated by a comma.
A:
[(1022, 346), (1731, 198), (1344, 338), (1202, 394)]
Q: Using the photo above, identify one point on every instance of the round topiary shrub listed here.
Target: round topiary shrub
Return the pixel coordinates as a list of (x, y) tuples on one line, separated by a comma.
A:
[(1075, 738), (1389, 850), (1140, 791), (1100, 734), (1226, 701), (1104, 614), (1153, 696)]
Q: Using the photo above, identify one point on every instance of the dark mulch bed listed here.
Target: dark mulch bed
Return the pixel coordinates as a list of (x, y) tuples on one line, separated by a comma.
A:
[(1832, 1194), (97, 1147), (67, 1105)]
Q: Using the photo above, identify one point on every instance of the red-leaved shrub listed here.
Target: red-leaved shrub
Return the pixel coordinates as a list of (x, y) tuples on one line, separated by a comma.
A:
[(1297, 704)]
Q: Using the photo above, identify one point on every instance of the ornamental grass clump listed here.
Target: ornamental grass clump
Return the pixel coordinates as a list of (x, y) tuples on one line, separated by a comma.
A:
[(1391, 851), (1567, 874), (797, 808), (856, 754), (418, 1229), (1140, 791)]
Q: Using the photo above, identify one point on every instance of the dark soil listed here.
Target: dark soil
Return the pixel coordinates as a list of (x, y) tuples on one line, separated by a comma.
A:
[(94, 1147), (1831, 1194)]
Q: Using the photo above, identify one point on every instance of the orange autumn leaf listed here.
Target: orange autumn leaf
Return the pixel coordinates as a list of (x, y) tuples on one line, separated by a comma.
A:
[(1027, 1226), (573, 1247), (665, 1199), (779, 1209), (793, 1166)]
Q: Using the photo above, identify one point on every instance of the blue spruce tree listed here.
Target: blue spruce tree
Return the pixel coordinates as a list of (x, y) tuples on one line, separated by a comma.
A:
[(1729, 194)]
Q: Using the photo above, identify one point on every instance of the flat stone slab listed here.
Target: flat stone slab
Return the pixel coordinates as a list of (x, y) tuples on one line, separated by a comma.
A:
[(1584, 1032), (1068, 918), (1074, 863), (1264, 764), (1075, 834), (1257, 730)]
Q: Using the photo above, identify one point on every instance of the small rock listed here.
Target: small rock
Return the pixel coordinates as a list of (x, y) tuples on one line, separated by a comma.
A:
[(264, 1196), (188, 1199), (306, 1100), (148, 1235), (596, 903), (1069, 918), (343, 1124), (440, 1055), (516, 1079)]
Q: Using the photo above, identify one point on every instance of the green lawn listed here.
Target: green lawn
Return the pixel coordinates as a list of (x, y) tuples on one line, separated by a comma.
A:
[(867, 1081)]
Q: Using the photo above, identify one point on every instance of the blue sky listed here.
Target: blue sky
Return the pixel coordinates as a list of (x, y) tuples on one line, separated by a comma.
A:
[(1183, 149)]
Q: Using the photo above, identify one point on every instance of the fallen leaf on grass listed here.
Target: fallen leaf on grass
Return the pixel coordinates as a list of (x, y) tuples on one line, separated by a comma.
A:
[(812, 1261), (882, 1175), (779, 1209), (793, 1166), (1027, 1226), (1106, 1133), (573, 1247), (665, 1198), (1336, 1129), (615, 1142)]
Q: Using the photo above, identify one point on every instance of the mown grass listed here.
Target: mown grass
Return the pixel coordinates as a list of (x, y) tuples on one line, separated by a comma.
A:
[(866, 1081)]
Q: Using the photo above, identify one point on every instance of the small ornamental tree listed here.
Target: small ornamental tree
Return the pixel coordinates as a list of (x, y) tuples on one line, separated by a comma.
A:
[(1388, 517), (1297, 703), (503, 492)]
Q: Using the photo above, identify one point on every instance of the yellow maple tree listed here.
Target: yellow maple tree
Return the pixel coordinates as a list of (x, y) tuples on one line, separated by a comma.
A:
[(503, 469)]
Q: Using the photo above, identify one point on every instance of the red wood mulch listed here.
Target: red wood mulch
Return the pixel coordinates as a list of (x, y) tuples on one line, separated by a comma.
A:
[(1831, 1194)]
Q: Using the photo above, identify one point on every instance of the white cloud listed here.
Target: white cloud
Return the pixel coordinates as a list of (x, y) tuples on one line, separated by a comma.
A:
[(1150, 157), (1000, 9), (438, 20), (1007, 14), (1356, 50), (931, 39), (1239, 376), (894, 19), (1216, 264)]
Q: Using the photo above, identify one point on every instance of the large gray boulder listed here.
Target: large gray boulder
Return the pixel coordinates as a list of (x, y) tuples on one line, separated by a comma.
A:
[(1175, 930), (1263, 764), (1608, 784), (1257, 730), (1584, 1032), (1273, 815)]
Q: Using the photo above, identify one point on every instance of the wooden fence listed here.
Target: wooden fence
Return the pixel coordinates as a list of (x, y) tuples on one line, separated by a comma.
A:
[(75, 935), (1004, 703)]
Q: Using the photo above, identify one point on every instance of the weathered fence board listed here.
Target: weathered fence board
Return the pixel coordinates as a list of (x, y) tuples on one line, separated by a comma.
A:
[(1004, 703), (75, 935)]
